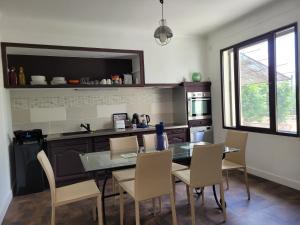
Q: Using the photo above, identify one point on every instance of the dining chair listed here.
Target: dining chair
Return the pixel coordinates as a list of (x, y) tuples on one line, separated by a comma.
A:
[(236, 160), (70, 193), (205, 170), (152, 180), (120, 146)]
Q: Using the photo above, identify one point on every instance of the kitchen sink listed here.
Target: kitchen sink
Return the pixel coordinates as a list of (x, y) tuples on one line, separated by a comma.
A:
[(75, 133)]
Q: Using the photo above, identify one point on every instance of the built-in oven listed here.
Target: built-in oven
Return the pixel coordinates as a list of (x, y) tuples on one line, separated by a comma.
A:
[(199, 105)]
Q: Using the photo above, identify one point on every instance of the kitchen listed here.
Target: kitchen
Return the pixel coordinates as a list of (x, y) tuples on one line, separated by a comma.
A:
[(167, 73)]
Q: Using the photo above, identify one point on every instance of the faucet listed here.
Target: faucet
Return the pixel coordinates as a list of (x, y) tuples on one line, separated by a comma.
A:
[(86, 126)]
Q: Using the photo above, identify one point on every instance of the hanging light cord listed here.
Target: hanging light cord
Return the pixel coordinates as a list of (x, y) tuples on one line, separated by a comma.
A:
[(162, 8)]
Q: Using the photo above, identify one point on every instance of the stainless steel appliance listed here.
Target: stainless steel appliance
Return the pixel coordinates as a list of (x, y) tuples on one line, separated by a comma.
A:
[(199, 105), (203, 133)]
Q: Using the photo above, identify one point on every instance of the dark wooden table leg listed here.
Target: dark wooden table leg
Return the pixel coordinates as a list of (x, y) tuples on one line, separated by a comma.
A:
[(103, 197)]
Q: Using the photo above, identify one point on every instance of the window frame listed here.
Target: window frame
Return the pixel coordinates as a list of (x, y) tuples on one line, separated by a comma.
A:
[(271, 38)]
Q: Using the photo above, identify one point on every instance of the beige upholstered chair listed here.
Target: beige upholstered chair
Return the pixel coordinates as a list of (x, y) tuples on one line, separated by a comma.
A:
[(236, 160), (205, 170), (119, 146), (149, 141), (152, 179), (70, 193)]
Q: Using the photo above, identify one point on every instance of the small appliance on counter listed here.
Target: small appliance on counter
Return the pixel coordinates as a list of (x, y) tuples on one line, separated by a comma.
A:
[(29, 136), (140, 121), (120, 120), (29, 176)]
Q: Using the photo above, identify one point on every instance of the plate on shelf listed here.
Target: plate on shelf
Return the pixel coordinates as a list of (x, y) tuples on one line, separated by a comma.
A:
[(38, 82)]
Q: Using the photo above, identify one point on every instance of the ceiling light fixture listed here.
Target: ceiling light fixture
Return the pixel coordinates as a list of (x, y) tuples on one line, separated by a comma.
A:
[(163, 33)]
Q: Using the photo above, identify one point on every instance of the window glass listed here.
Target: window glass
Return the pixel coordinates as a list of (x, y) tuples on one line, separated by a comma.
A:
[(286, 81), (228, 88), (254, 85)]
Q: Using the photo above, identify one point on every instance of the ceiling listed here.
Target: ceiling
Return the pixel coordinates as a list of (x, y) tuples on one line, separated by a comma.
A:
[(185, 17)]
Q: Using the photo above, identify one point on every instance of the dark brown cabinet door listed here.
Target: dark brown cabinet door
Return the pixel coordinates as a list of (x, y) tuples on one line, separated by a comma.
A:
[(64, 157), (177, 135)]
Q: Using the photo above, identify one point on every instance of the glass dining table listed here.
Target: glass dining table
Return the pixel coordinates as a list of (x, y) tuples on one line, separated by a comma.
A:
[(103, 161)]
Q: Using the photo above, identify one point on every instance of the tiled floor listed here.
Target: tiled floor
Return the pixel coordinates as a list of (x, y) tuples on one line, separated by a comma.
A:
[(270, 204)]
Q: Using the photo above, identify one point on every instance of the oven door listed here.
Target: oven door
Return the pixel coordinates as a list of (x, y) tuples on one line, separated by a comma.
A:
[(199, 108)]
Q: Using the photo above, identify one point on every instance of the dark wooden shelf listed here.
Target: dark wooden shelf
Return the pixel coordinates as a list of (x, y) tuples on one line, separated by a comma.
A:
[(73, 63), (74, 86)]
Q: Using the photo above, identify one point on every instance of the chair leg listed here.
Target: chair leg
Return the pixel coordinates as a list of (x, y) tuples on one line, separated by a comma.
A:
[(121, 205), (223, 200), (227, 184), (192, 204), (94, 213), (137, 213), (153, 206), (160, 204), (114, 188), (174, 187), (99, 207), (174, 219), (188, 193), (53, 215), (202, 189), (246, 182)]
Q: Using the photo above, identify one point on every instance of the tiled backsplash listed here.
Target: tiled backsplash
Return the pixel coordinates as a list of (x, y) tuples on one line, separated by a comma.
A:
[(60, 110)]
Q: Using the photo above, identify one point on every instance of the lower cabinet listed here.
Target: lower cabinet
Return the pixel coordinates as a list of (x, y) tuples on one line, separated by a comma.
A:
[(64, 154), (64, 157), (177, 135)]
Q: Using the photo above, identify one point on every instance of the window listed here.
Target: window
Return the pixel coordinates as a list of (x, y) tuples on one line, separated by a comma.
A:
[(260, 83)]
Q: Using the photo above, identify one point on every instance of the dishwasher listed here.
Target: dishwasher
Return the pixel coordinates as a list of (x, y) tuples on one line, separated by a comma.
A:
[(203, 133)]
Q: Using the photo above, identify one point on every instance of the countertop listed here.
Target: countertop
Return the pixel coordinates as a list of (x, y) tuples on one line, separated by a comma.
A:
[(103, 132)]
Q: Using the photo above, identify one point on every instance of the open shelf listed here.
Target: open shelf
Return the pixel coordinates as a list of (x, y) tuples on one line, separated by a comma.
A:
[(73, 63)]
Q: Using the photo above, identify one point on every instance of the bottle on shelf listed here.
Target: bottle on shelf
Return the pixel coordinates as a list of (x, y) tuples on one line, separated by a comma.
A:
[(13, 79), (22, 80)]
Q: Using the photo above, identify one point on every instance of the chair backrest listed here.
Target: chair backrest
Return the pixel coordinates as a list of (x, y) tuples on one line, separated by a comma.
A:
[(44, 161), (206, 165), (123, 145), (237, 139), (153, 174), (150, 140)]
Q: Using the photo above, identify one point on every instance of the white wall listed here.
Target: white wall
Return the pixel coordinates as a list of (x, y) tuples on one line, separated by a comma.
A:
[(273, 157), (167, 64), (5, 134)]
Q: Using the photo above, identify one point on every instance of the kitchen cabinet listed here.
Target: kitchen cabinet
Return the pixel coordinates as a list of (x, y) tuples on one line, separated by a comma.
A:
[(64, 157), (64, 154), (177, 136)]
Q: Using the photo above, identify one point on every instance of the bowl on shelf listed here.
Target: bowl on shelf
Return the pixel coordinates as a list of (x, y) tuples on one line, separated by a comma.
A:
[(38, 78), (58, 81), (74, 81), (38, 82)]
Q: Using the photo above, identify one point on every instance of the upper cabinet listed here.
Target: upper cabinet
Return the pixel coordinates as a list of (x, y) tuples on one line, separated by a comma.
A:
[(70, 67)]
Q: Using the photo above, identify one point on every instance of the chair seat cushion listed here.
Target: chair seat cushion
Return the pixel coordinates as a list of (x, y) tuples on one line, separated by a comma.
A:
[(177, 167), (183, 175), (76, 192), (124, 175), (228, 165)]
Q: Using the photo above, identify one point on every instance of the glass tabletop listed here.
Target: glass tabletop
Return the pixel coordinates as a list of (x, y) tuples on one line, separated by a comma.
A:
[(97, 161)]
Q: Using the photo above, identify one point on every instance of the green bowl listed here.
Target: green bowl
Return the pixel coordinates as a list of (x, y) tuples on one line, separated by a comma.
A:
[(196, 77)]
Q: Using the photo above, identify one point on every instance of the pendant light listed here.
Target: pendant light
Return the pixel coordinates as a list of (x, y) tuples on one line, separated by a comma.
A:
[(163, 33)]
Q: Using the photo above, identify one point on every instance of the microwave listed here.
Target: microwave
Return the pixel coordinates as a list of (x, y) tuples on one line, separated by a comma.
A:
[(199, 105)]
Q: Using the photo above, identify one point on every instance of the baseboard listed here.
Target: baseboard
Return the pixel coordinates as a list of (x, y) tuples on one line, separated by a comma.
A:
[(4, 206), (275, 178)]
